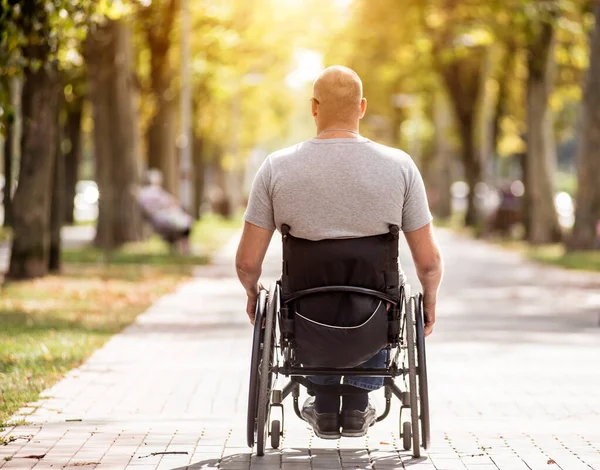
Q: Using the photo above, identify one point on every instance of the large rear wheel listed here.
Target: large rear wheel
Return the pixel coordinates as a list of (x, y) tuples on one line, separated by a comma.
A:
[(422, 373), (409, 318), (265, 382), (257, 341)]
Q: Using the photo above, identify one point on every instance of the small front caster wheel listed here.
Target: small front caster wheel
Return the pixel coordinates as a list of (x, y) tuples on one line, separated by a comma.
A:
[(275, 434), (406, 435)]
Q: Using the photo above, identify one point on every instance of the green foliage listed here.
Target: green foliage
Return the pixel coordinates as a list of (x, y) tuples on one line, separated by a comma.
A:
[(34, 31), (238, 73), (399, 48)]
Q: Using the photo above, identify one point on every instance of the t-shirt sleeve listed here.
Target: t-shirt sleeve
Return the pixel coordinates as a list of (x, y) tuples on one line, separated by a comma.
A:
[(260, 204), (415, 212)]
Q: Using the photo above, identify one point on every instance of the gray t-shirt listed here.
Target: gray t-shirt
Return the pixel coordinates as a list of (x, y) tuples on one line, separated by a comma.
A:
[(338, 188)]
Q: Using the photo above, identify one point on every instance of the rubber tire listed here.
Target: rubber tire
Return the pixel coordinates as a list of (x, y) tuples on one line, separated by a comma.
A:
[(264, 382), (406, 435), (257, 340), (423, 384), (275, 433), (412, 373)]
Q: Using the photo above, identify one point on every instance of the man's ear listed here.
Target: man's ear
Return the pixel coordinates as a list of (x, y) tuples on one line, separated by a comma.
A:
[(314, 108), (363, 107)]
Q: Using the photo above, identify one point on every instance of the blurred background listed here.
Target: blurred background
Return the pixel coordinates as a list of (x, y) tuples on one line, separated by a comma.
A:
[(487, 96)]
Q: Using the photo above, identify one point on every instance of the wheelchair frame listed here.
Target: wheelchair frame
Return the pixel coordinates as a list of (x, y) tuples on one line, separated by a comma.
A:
[(273, 355)]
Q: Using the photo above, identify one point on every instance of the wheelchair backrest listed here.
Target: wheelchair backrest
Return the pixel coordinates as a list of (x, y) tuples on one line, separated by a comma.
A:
[(339, 292)]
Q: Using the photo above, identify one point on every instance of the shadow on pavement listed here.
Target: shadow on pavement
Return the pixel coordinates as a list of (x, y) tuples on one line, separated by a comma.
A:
[(311, 458)]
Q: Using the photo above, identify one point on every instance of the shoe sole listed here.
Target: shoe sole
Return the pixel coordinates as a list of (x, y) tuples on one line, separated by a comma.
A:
[(361, 433), (326, 436), (319, 434), (355, 433)]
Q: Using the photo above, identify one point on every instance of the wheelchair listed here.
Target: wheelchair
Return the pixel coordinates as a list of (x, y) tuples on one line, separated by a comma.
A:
[(329, 276)]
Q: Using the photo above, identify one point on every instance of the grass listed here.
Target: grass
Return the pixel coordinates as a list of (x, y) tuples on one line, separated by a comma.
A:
[(212, 230), (153, 251), (557, 255), (52, 324), (207, 236)]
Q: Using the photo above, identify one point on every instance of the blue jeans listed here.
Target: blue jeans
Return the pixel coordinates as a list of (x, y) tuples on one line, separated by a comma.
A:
[(368, 383)]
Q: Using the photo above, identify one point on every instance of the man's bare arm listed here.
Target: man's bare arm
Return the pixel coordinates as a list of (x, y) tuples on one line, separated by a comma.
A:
[(428, 261), (248, 261)]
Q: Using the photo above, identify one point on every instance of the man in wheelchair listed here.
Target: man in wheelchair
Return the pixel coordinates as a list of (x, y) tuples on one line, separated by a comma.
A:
[(339, 186)]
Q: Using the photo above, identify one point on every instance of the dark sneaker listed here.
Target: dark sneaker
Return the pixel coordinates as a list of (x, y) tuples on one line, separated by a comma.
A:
[(356, 423), (325, 425)]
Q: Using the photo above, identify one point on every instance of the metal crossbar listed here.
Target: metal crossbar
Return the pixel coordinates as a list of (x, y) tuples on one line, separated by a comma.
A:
[(356, 372)]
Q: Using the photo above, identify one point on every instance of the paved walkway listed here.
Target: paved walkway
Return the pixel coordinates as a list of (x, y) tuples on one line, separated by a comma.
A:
[(513, 366)]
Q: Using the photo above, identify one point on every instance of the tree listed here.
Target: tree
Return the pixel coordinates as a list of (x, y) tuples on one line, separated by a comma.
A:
[(31, 204), (542, 219), (71, 133), (157, 23), (9, 138), (57, 201), (587, 216), (441, 206), (35, 35), (463, 78), (107, 51)]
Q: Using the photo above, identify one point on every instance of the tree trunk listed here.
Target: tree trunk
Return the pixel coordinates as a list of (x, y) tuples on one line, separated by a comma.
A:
[(8, 173), (108, 56), (541, 148), (439, 192), (526, 202), (463, 80), (31, 204), (199, 174), (506, 72), (161, 137), (586, 232), (162, 132), (57, 208), (72, 158), (11, 145), (485, 115), (472, 167)]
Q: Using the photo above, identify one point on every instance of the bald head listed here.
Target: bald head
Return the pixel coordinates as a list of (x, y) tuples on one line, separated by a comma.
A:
[(338, 91)]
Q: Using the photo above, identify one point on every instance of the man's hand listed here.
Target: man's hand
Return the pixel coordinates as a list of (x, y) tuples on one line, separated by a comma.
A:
[(429, 302), (252, 301), (428, 262), (248, 262)]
